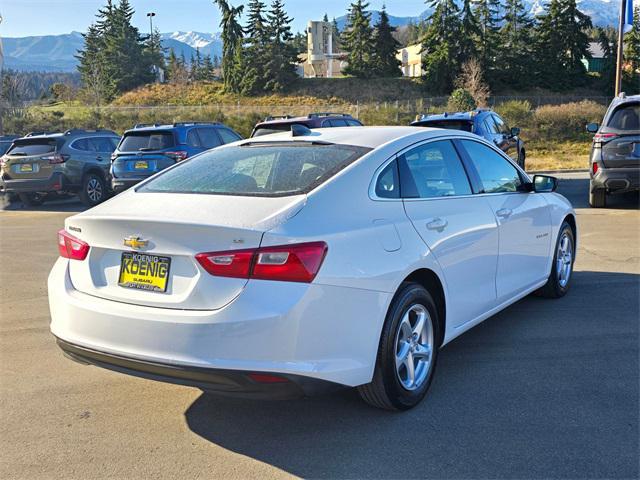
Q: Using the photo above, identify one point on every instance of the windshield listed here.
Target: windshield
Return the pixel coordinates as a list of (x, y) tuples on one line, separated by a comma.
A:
[(27, 148), (146, 141), (259, 170), (449, 124)]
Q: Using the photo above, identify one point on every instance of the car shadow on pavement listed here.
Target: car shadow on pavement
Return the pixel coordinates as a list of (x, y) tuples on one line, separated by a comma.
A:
[(577, 192), (546, 388), (70, 204)]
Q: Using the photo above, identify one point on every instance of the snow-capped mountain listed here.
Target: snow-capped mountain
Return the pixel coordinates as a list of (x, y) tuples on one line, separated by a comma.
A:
[(193, 39)]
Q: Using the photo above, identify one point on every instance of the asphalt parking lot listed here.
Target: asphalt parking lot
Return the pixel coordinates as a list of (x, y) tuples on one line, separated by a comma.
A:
[(544, 389)]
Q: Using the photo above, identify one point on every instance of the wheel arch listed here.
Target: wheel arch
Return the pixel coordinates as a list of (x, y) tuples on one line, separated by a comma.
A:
[(432, 283), (571, 220), (95, 170)]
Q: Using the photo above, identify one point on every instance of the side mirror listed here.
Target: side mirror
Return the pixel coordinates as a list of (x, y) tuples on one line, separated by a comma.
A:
[(544, 183), (592, 127), (515, 131)]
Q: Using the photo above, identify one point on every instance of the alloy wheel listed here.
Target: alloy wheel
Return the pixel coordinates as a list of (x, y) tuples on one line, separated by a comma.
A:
[(94, 190), (414, 347), (564, 259)]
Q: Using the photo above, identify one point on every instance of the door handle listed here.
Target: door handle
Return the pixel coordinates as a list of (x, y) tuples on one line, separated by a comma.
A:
[(99, 158), (437, 224), (504, 212)]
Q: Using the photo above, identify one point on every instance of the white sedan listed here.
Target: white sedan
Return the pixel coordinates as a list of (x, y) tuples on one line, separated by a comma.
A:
[(302, 261)]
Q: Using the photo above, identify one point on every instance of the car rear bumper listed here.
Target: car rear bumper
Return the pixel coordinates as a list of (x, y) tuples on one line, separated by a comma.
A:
[(55, 183), (294, 330), (256, 385), (121, 184), (616, 180)]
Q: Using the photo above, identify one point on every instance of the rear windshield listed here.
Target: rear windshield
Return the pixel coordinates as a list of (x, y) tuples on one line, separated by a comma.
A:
[(269, 129), (449, 124), (146, 141), (626, 118), (4, 146), (259, 170), (31, 147)]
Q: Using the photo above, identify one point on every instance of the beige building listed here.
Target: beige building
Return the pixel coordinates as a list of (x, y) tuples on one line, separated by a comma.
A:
[(411, 59)]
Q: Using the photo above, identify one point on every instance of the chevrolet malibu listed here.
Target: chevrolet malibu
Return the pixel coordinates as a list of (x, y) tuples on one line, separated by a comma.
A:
[(299, 262)]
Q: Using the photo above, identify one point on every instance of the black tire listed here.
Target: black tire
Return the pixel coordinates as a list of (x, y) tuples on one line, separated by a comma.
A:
[(522, 158), (597, 197), (386, 390), (94, 190), (554, 287), (32, 199)]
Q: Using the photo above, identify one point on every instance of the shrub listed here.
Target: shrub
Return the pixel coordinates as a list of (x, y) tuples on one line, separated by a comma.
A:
[(517, 113), (461, 101), (567, 122)]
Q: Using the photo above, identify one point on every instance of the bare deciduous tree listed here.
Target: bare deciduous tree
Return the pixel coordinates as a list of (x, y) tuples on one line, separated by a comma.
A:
[(471, 78)]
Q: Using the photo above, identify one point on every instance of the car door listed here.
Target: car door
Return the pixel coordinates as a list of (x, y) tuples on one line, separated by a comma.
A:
[(524, 219), (103, 148), (81, 154), (459, 228), (209, 138)]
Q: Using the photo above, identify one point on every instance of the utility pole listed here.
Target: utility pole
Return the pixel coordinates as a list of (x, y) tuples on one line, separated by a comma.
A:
[(151, 15), (1, 83), (623, 8)]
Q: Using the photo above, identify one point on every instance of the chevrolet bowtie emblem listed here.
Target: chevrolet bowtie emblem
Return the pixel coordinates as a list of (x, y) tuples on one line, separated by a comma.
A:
[(135, 242)]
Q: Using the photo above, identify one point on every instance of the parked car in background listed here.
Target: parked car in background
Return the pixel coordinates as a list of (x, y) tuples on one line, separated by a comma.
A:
[(76, 161), (148, 149), (5, 142), (485, 123), (243, 272), (313, 120), (614, 165)]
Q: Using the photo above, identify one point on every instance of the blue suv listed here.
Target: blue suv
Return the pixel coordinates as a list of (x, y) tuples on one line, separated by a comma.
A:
[(147, 149), (482, 122)]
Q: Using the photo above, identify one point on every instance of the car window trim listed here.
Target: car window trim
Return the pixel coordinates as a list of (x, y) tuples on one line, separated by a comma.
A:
[(372, 186)]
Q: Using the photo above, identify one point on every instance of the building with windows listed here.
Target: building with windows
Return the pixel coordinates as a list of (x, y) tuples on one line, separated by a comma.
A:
[(411, 59)]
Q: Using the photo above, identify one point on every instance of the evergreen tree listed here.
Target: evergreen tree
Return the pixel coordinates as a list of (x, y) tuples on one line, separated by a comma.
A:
[(632, 44), (517, 51), (608, 43), (282, 57), (576, 41), (93, 69), (357, 41), (197, 68), (489, 44), (232, 33), (255, 49), (469, 32), (207, 72), (172, 64), (335, 33), (441, 47), (385, 48)]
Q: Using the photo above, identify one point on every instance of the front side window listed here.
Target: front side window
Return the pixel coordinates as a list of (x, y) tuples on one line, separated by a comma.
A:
[(500, 125), (433, 170), (257, 170), (497, 174), (102, 144)]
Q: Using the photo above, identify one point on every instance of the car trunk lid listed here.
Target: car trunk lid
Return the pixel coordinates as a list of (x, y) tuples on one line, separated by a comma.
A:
[(175, 227), (620, 150), (30, 158)]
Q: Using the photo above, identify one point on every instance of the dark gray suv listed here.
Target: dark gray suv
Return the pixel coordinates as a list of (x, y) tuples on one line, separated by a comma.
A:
[(615, 154), (76, 161)]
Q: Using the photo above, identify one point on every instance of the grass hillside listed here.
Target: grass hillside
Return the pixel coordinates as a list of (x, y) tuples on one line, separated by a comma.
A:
[(309, 91)]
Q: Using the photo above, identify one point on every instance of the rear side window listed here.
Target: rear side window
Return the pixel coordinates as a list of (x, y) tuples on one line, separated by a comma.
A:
[(433, 170), (147, 141), (388, 183), (228, 136), (32, 147), (82, 144), (265, 170), (192, 138), (496, 173), (209, 137), (626, 118), (336, 122), (102, 144)]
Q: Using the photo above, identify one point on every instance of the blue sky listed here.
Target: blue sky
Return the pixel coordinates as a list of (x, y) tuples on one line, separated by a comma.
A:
[(45, 17)]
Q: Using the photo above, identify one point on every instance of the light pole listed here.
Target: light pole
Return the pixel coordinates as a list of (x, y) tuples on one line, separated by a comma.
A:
[(151, 15)]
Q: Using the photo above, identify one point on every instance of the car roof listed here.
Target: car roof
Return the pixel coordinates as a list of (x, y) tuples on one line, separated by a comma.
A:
[(312, 117), (469, 116), (76, 132), (368, 137), (146, 127)]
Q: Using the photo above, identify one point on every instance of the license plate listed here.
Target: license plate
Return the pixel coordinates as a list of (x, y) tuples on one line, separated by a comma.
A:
[(141, 165), (26, 167), (144, 272)]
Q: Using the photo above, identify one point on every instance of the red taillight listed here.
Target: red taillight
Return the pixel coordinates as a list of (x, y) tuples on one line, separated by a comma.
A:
[(71, 247), (177, 156), (287, 263), (594, 168), (266, 378), (604, 137), (56, 158)]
